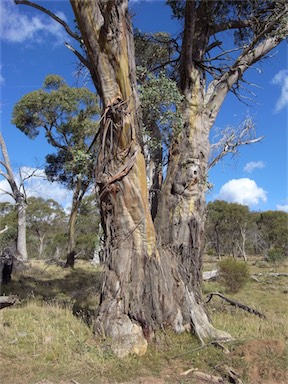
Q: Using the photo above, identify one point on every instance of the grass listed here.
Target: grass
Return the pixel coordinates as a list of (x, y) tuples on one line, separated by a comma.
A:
[(40, 338)]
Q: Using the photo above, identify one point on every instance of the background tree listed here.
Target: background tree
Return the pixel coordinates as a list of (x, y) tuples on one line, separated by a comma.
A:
[(273, 228), (227, 228), (8, 217), (44, 219), (18, 194), (88, 227), (68, 117)]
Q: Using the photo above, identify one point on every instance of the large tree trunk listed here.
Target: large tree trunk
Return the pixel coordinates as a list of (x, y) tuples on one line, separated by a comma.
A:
[(142, 287), (182, 209)]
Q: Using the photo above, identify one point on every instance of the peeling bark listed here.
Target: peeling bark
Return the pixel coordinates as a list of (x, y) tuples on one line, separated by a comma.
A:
[(142, 289)]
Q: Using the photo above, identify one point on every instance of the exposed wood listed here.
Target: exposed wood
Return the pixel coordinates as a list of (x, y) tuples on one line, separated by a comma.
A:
[(210, 275), (229, 373), (7, 301), (274, 274), (18, 194), (203, 376), (236, 304), (4, 229)]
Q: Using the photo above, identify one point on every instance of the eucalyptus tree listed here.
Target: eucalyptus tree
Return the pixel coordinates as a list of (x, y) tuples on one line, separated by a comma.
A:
[(18, 194), (68, 117), (227, 228), (8, 221), (44, 218), (151, 283)]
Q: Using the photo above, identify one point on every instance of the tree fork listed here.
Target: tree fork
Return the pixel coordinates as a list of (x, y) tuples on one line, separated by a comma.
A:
[(142, 289)]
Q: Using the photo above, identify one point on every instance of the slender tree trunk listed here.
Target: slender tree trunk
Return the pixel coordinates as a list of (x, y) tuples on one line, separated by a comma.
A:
[(41, 245), (21, 227), (19, 200), (71, 239), (153, 158), (78, 194), (142, 288)]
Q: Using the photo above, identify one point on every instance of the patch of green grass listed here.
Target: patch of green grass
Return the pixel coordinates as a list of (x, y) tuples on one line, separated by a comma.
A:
[(41, 339)]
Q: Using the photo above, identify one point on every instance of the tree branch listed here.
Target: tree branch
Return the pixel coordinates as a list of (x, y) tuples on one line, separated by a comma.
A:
[(218, 88), (232, 24), (231, 139), (84, 61), (52, 15), (236, 304)]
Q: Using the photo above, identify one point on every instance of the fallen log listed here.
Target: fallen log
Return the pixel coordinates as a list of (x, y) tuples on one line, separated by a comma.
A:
[(210, 275), (236, 304), (274, 274), (7, 301), (203, 376)]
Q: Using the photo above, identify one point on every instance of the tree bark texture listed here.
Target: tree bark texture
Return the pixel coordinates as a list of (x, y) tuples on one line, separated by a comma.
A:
[(142, 287)]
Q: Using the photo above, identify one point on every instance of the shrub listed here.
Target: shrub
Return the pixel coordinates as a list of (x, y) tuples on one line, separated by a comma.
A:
[(233, 274), (275, 255)]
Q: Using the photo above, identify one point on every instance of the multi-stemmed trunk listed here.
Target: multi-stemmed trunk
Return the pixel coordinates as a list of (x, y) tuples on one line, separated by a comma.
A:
[(142, 289)]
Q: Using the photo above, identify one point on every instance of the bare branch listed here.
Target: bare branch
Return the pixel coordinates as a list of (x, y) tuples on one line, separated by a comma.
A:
[(257, 50), (52, 15), (236, 304), (231, 139), (84, 61), (6, 192)]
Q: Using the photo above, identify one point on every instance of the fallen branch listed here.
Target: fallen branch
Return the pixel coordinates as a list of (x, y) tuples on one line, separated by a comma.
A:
[(236, 304), (274, 274), (210, 275), (7, 301), (4, 229), (229, 373), (203, 376)]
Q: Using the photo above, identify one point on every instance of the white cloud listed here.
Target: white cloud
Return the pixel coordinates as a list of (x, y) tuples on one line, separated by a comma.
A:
[(281, 78), (243, 191), (17, 27), (249, 167), (37, 186), (282, 207)]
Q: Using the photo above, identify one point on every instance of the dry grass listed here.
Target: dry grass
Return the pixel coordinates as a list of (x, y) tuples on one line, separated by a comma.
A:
[(41, 339)]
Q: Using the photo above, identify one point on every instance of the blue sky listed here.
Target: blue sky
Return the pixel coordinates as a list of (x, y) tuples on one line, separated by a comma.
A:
[(32, 46)]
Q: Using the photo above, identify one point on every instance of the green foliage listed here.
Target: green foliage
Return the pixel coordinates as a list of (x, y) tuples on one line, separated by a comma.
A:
[(8, 216), (273, 226), (46, 221), (233, 274), (226, 225), (88, 227), (161, 107), (152, 51), (276, 255), (69, 118)]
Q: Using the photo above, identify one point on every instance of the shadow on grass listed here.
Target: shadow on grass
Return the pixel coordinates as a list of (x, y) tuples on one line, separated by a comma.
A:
[(78, 289)]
